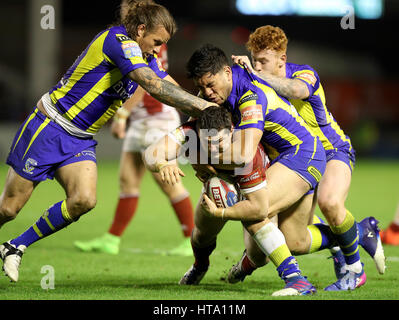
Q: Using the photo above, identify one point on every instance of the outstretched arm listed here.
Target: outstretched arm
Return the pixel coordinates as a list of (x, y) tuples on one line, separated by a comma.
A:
[(289, 88), (169, 93)]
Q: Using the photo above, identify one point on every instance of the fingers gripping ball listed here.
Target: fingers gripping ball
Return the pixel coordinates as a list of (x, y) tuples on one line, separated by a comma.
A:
[(221, 192)]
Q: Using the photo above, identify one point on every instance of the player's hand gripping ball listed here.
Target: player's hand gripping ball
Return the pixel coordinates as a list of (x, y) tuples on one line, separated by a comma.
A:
[(221, 192)]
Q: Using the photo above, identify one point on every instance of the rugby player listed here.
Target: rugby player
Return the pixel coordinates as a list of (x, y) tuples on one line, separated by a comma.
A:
[(149, 121), (251, 211), (56, 140), (301, 85)]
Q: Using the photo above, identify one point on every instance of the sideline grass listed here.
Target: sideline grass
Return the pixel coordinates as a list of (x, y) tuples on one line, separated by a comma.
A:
[(139, 272)]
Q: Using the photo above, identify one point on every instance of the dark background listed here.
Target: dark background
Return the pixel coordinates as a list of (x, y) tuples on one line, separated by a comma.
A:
[(358, 67)]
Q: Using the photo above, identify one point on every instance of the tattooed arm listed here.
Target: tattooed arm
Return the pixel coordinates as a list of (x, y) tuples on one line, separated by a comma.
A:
[(168, 92), (289, 88)]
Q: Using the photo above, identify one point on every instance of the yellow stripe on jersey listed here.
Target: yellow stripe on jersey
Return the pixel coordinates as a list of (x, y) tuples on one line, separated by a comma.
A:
[(274, 102), (272, 153), (25, 125), (283, 132), (41, 127), (105, 117), (94, 56), (305, 109), (109, 79)]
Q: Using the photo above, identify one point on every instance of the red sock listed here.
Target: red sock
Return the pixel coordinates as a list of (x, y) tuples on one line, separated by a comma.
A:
[(125, 211), (247, 265), (184, 212), (202, 256)]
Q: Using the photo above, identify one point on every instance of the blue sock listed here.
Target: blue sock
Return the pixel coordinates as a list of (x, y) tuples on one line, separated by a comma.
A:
[(346, 235), (288, 267), (53, 220)]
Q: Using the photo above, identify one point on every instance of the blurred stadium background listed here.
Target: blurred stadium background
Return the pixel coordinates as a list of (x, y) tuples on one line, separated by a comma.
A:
[(358, 67)]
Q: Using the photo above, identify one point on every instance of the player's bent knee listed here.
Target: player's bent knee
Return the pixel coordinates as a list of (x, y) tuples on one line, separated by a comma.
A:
[(329, 204), (8, 213), (81, 205), (297, 246)]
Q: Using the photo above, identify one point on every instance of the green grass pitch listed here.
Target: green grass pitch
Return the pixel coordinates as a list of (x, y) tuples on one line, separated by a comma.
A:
[(141, 272)]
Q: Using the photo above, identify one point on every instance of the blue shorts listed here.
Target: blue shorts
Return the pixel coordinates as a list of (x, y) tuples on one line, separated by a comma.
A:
[(310, 166), (41, 146), (344, 155)]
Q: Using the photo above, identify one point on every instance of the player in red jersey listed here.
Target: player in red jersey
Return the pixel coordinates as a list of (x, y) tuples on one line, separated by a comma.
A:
[(149, 121), (196, 137)]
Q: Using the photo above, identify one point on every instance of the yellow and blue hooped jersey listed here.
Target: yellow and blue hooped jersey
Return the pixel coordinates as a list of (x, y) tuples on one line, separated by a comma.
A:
[(97, 83), (254, 104), (314, 109)]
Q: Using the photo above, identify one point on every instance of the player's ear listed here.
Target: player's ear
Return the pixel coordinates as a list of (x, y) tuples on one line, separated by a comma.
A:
[(141, 30), (283, 58)]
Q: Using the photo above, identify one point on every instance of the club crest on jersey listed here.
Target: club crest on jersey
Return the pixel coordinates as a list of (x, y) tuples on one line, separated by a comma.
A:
[(30, 165)]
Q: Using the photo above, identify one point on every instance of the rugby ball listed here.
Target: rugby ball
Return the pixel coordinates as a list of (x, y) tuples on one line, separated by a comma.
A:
[(221, 192)]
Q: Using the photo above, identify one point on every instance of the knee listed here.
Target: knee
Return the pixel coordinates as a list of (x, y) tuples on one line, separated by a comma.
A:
[(81, 204), (332, 209), (298, 246), (8, 212), (329, 203)]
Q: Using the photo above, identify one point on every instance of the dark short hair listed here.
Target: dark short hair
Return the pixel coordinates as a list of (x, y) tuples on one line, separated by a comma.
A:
[(207, 58), (215, 118)]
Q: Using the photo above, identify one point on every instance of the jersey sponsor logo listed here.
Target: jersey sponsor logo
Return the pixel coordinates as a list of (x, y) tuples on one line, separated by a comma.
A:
[(252, 96), (131, 50), (252, 179), (122, 38), (217, 196), (308, 77), (123, 91), (252, 113), (30, 165)]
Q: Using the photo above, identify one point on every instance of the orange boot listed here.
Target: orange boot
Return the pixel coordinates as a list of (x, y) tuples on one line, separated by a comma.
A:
[(390, 235)]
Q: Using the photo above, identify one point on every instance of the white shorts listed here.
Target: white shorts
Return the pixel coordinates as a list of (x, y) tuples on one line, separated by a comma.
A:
[(147, 130)]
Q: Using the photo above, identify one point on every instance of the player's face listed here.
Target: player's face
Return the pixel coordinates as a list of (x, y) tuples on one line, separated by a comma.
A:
[(269, 61), (215, 142), (151, 42), (215, 87)]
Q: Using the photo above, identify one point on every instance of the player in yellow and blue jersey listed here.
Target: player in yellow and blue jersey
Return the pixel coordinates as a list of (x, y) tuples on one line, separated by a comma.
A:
[(301, 85), (297, 156), (56, 140)]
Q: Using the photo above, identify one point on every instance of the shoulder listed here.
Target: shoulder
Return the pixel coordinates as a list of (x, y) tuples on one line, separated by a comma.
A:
[(294, 69)]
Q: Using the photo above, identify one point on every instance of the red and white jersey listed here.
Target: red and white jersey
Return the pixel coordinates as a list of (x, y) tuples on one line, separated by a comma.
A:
[(250, 178), (150, 106)]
